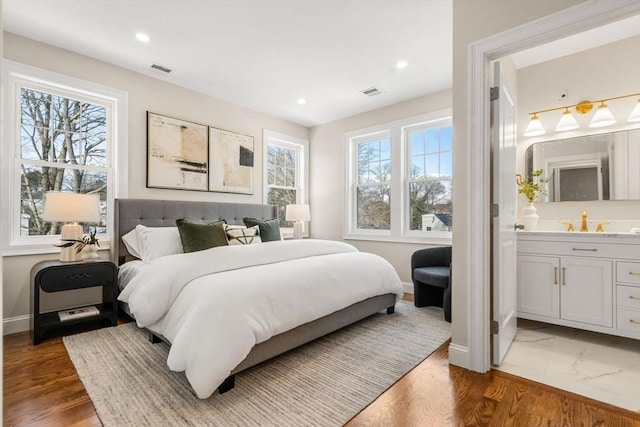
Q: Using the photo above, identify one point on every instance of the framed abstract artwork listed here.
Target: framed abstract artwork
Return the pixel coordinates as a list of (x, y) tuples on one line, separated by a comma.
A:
[(231, 165), (177, 154)]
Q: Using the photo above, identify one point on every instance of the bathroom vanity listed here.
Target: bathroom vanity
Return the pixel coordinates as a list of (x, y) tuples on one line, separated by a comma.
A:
[(582, 280)]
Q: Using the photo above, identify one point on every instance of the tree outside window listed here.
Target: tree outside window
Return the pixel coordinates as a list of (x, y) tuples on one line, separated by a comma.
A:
[(63, 147), (373, 192), (281, 179)]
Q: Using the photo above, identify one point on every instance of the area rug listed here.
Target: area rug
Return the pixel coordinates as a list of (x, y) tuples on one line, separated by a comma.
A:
[(323, 383)]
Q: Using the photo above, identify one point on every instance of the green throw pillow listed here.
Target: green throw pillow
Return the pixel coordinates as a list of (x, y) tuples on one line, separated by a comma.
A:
[(198, 237), (269, 228)]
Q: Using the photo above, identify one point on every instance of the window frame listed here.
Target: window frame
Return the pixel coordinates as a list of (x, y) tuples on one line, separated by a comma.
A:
[(400, 168), (16, 76), (301, 146)]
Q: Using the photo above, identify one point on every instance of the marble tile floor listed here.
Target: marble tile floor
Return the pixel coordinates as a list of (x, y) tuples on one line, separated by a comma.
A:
[(599, 366)]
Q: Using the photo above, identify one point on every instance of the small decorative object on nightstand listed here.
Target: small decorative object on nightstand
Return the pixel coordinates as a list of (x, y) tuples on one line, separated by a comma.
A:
[(56, 276)]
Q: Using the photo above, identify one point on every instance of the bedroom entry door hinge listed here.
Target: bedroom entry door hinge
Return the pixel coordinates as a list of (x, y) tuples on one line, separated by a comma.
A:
[(494, 93), (493, 327), (495, 210)]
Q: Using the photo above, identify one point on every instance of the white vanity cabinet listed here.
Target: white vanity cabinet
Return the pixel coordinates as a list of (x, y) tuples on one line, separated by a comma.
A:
[(585, 281)]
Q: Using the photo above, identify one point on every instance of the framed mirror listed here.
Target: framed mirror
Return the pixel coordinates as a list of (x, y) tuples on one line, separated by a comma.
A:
[(592, 167)]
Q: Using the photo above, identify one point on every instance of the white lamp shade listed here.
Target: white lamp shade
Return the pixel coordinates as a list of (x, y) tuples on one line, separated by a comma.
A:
[(534, 128), (567, 122), (635, 113), (602, 117), (71, 207), (297, 213)]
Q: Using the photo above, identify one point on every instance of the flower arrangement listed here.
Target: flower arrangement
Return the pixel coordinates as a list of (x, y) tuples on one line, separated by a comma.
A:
[(86, 240), (532, 188)]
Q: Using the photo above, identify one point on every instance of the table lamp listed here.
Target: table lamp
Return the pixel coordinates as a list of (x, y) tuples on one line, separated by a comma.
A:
[(297, 214), (71, 208)]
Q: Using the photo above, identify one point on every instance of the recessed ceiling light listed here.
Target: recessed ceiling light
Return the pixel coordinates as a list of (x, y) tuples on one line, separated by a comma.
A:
[(401, 64), (302, 101), (142, 37)]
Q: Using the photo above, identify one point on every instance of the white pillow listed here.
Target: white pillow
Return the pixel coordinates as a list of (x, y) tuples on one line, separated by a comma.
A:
[(241, 235), (130, 241), (155, 242)]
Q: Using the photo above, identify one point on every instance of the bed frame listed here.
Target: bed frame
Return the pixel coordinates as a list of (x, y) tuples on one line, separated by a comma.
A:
[(163, 213)]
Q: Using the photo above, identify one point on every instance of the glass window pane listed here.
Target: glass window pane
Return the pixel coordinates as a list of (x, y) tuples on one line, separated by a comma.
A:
[(271, 174), (433, 144), (385, 149), (432, 165), (417, 167), (290, 156), (280, 180), (35, 108), (373, 208), (446, 165), (385, 171), (32, 146), (281, 197), (430, 205), (37, 180), (417, 139), (446, 138), (290, 177)]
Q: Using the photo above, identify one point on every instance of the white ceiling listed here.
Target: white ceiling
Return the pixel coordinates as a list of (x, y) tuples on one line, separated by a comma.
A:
[(263, 55)]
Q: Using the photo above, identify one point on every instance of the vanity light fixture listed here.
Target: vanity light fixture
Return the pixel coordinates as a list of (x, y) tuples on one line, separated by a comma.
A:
[(602, 117), (535, 127), (635, 113), (567, 122)]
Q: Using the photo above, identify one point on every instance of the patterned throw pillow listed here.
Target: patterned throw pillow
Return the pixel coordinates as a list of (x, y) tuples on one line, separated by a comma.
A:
[(241, 235)]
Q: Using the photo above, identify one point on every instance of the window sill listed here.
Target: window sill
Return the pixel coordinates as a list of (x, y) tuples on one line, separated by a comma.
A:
[(41, 250), (422, 240)]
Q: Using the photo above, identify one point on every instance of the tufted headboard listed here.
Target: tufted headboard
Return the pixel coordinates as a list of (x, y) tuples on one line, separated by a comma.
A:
[(163, 213)]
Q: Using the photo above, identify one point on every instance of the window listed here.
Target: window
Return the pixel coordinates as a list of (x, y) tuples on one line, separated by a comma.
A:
[(429, 177), (400, 180), (60, 135), (285, 173)]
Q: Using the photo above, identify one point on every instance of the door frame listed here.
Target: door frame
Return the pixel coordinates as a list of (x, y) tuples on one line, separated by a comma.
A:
[(575, 19)]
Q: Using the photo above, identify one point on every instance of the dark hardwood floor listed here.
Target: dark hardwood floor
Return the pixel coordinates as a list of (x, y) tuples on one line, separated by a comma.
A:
[(41, 388)]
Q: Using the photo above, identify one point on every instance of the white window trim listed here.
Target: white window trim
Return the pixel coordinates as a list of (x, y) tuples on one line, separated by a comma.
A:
[(302, 171), (399, 163), (14, 76)]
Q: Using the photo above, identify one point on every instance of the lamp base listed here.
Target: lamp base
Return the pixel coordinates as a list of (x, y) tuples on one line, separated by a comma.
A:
[(297, 230), (70, 231)]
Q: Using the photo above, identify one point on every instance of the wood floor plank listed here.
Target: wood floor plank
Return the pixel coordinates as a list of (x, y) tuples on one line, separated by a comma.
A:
[(41, 388)]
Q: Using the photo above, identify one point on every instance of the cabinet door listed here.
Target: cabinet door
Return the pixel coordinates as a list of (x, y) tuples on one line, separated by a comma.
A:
[(587, 291), (539, 285)]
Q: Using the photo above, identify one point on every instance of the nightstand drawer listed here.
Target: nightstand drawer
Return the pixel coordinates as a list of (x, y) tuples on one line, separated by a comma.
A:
[(83, 275)]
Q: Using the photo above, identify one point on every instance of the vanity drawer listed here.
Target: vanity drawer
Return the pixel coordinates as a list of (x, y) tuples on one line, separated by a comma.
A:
[(628, 296), (629, 320), (579, 249), (628, 272)]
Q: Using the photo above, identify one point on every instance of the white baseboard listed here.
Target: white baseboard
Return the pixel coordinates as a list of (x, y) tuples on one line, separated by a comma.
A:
[(14, 325), (459, 355), (408, 287)]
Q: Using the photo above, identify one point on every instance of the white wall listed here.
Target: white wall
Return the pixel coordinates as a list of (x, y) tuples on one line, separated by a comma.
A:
[(327, 176), (144, 94), (605, 71), (474, 20)]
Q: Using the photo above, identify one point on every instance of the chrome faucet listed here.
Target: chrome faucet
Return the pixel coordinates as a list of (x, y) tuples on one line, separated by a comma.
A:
[(583, 225)]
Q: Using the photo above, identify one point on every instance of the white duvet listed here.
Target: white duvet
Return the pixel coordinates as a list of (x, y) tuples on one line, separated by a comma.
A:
[(215, 305)]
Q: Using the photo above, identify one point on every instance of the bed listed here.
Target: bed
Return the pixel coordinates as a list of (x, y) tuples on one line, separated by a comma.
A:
[(129, 213)]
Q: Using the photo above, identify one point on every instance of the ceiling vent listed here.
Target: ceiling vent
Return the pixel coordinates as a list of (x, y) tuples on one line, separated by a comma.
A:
[(160, 68), (372, 91)]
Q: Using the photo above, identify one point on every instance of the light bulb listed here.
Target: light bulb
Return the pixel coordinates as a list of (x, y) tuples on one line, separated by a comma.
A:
[(602, 117), (567, 122)]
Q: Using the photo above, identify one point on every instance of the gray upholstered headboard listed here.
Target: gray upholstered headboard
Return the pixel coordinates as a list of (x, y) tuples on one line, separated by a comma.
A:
[(163, 213)]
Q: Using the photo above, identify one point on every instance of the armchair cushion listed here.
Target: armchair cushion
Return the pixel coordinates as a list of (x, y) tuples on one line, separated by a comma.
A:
[(435, 276)]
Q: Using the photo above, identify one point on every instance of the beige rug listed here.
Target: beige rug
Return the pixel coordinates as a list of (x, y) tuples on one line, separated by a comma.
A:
[(323, 383)]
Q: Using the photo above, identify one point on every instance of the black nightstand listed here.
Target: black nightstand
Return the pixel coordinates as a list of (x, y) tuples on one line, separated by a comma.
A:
[(56, 276)]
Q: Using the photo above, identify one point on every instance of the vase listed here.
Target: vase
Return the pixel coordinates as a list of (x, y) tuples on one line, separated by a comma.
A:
[(529, 217), (90, 252)]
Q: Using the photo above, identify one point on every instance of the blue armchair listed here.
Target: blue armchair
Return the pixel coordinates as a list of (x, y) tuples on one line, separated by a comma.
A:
[(431, 276)]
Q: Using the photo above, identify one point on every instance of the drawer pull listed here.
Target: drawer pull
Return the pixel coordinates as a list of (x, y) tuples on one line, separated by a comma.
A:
[(586, 249), (637, 322), (555, 275), (564, 276), (633, 297), (634, 273)]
